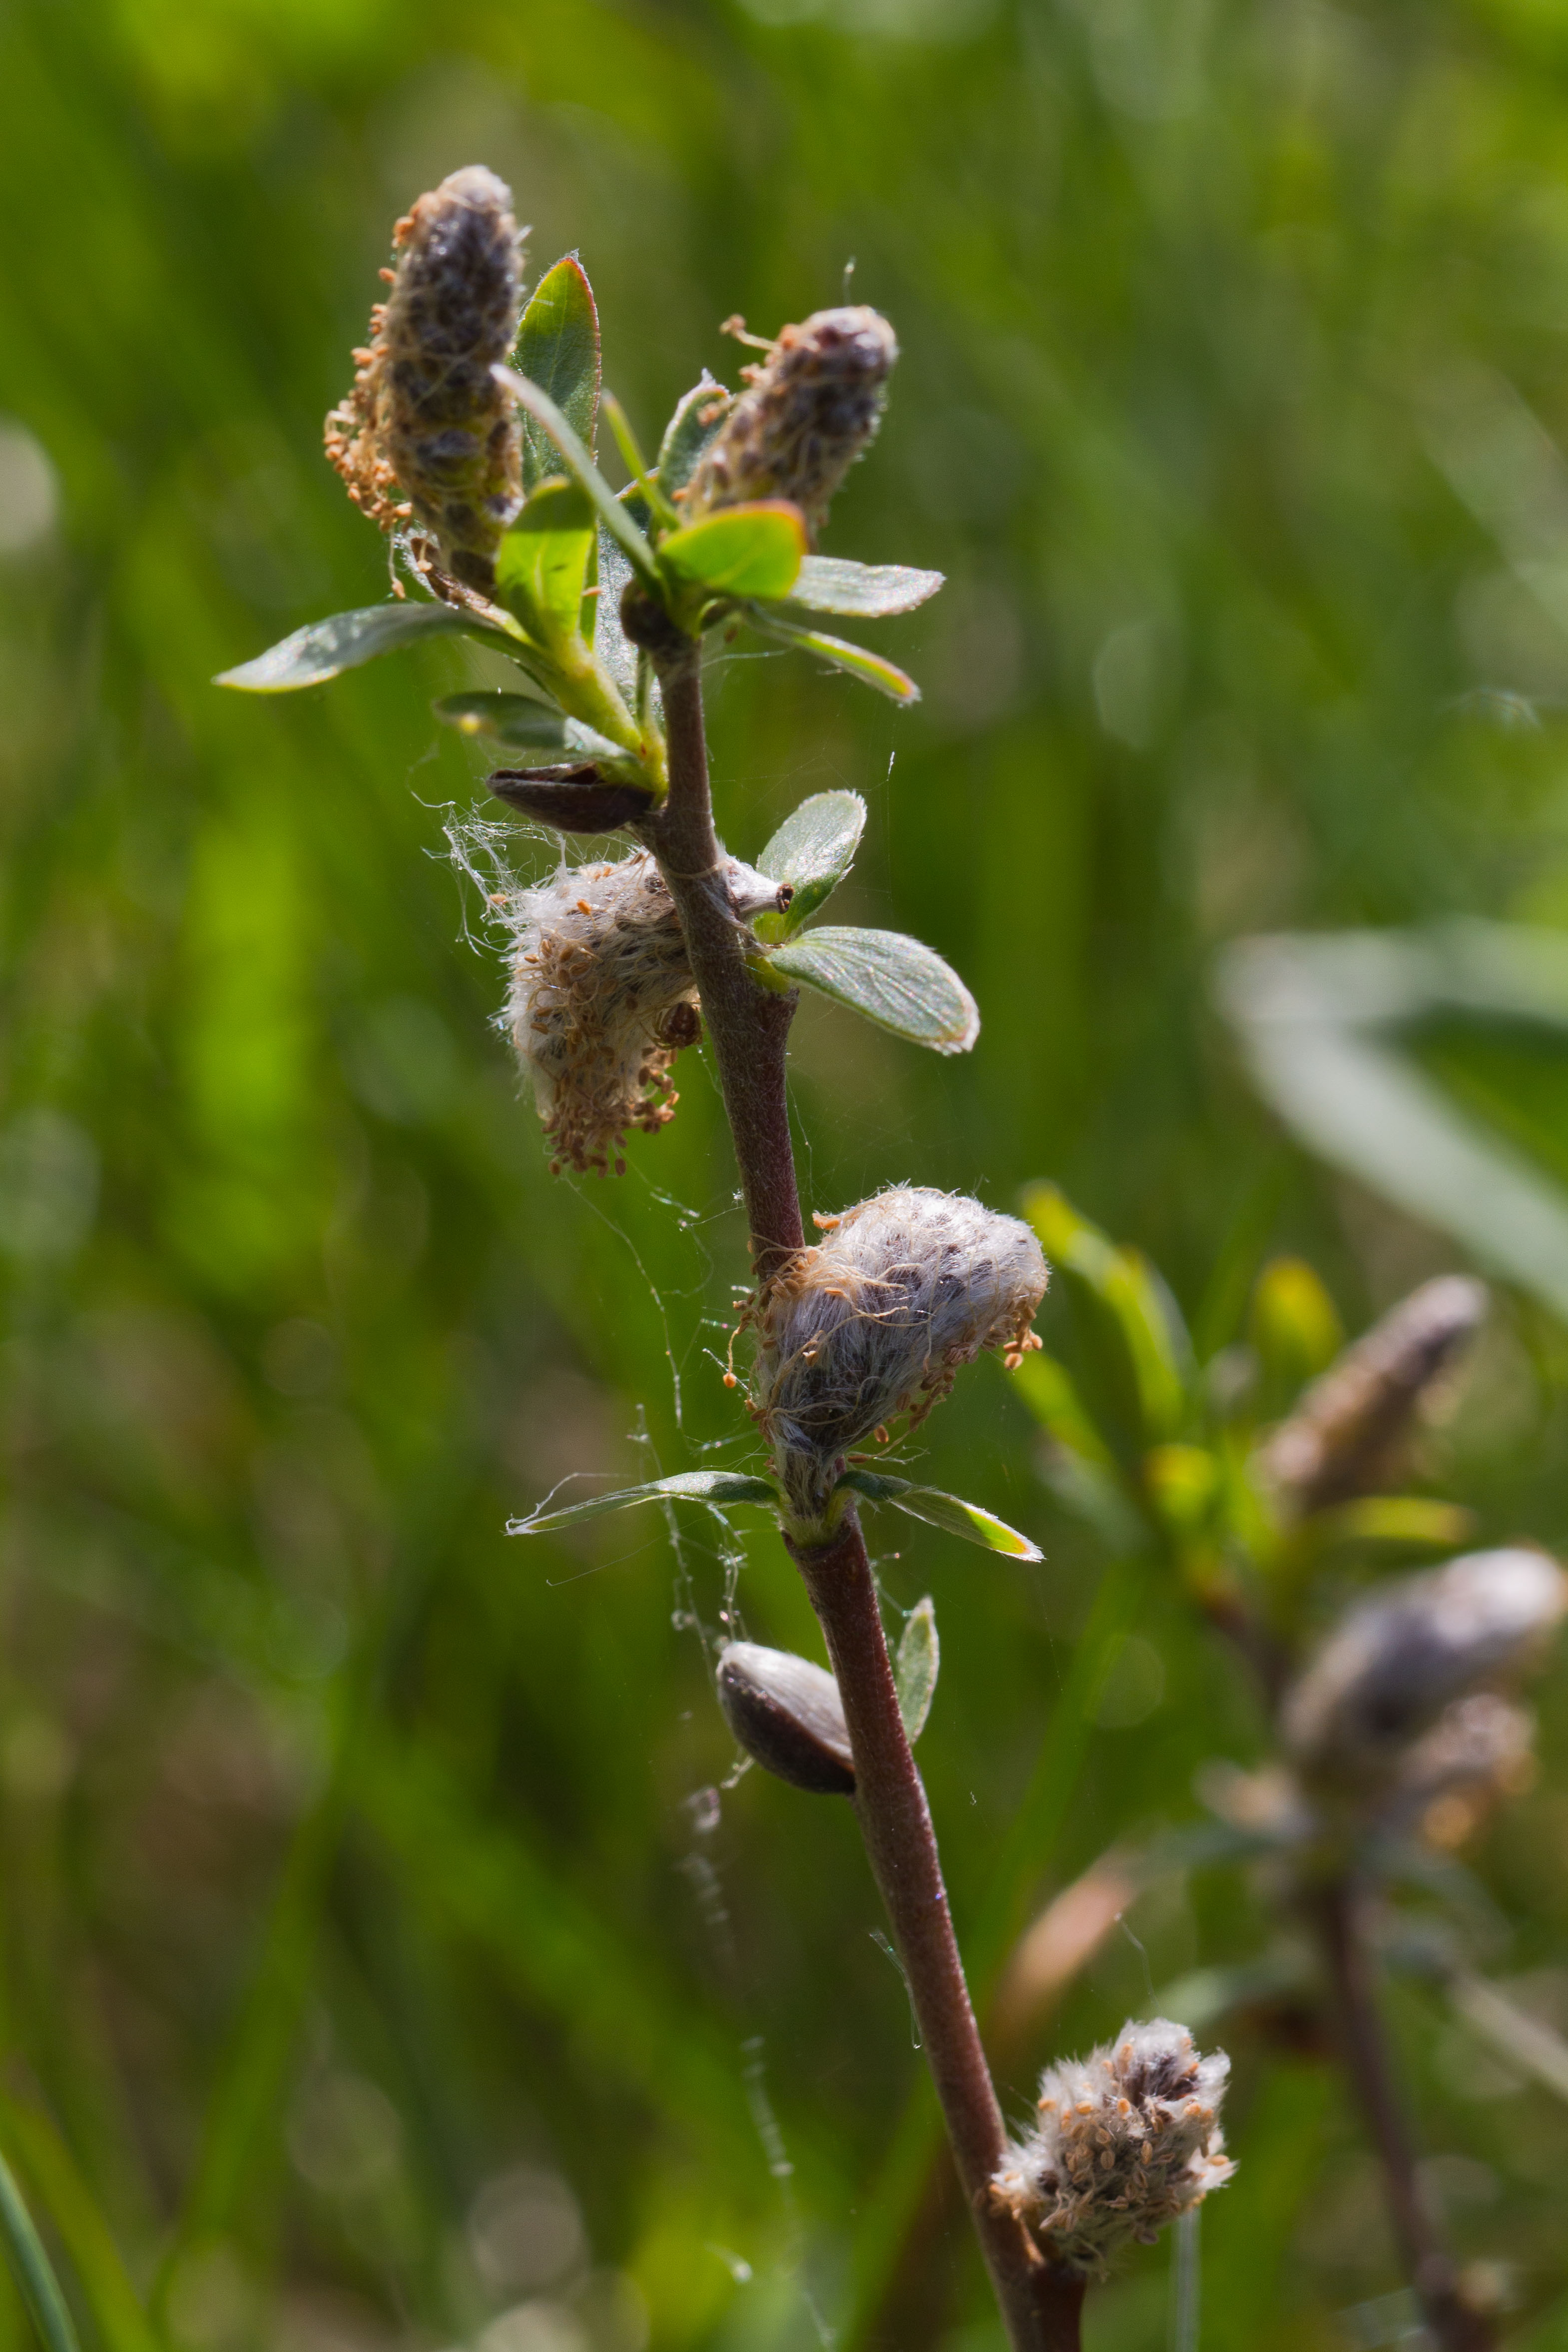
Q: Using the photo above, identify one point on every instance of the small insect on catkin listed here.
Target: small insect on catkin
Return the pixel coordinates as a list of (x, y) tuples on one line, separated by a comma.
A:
[(1342, 1437), (788, 1716), (812, 409), (1394, 1664), (426, 434), (1124, 2140), (876, 1319), (603, 999)]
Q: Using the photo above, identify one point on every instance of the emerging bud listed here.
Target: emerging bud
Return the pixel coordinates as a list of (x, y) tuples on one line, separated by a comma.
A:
[(1394, 1664), (877, 1318), (788, 1716), (1126, 2139), (573, 798), (603, 999), (426, 431), (1342, 1437), (812, 409)]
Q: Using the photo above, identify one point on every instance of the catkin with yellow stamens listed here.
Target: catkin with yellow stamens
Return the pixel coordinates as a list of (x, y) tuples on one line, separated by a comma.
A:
[(811, 408), (426, 435)]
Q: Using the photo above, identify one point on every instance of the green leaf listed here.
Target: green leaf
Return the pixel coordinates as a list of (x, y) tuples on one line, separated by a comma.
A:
[(32, 2269), (699, 416), (514, 719), (557, 349), (699, 1485), (831, 584), (812, 850), (541, 567), (838, 653), (324, 649), (1126, 1287), (74, 2214), (893, 980), (743, 551), (915, 1667), (569, 442), (976, 1525), (1320, 1020)]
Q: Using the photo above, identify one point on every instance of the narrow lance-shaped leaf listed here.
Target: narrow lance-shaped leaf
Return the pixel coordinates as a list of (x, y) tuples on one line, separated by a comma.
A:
[(743, 551), (698, 416), (1126, 1285), (512, 719), (832, 583), (541, 565), (856, 661), (971, 1520), (698, 1485), (812, 851), (32, 2269), (557, 349), (915, 1667), (893, 980), (581, 465), (324, 649)]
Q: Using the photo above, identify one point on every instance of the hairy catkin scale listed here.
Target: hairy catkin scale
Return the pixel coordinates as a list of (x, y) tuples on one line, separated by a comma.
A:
[(1393, 1664), (875, 1320), (1124, 2140), (1344, 1435), (812, 409), (603, 999), (426, 433)]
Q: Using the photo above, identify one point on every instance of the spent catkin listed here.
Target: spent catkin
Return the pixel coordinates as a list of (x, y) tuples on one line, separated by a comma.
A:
[(809, 411), (603, 999), (425, 433), (1124, 2141), (876, 1319)]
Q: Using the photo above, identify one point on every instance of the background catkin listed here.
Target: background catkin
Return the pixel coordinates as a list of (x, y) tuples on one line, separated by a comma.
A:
[(1124, 2140), (876, 1319), (814, 406), (1394, 1664), (426, 433)]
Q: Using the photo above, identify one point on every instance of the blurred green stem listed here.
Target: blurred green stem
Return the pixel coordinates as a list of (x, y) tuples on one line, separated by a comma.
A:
[(749, 1027), (1453, 2325)]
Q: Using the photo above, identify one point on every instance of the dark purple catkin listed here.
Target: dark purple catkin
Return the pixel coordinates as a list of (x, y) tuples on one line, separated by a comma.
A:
[(811, 408), (426, 435)]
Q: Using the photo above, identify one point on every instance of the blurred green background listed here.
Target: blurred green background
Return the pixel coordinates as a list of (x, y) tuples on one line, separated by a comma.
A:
[(385, 1963)]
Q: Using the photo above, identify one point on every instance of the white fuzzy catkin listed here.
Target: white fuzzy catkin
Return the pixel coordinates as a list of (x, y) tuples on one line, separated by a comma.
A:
[(876, 1319), (1395, 1662), (603, 999), (1124, 2140)]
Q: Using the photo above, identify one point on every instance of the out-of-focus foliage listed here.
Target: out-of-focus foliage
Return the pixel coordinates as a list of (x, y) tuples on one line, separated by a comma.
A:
[(379, 1965)]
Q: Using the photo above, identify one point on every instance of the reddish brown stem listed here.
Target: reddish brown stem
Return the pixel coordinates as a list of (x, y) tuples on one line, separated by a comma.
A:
[(748, 1025), (1453, 2325), (1040, 2306)]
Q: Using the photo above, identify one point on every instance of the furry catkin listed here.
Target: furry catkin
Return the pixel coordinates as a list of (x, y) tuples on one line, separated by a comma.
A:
[(811, 408), (603, 999), (1125, 2140), (876, 1319), (1395, 1662), (1342, 1437), (1480, 1750), (426, 431)]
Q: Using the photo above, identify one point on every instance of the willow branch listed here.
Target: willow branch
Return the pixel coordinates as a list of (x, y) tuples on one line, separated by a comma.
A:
[(1453, 2325), (749, 1027)]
